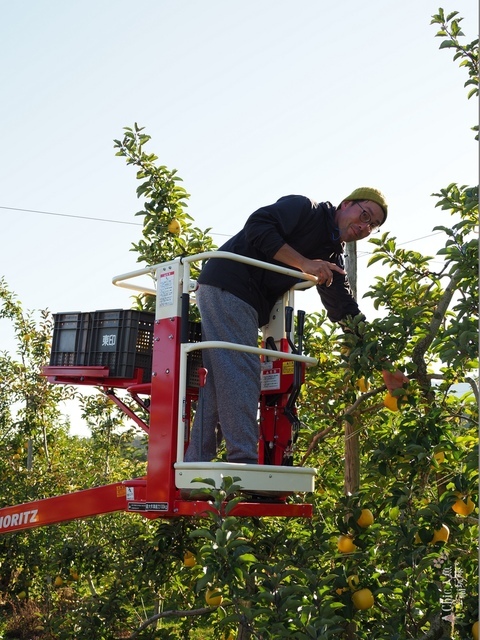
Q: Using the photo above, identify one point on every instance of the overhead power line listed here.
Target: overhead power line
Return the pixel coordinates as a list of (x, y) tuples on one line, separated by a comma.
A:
[(69, 215), (362, 254)]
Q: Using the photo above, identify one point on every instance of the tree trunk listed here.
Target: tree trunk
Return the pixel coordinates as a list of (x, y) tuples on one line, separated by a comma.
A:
[(351, 266), (352, 459), (352, 451)]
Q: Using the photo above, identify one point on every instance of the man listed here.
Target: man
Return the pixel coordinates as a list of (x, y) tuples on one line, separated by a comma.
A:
[(236, 299)]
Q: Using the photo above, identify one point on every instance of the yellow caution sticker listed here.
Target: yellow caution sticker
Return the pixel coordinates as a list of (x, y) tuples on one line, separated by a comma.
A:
[(287, 366)]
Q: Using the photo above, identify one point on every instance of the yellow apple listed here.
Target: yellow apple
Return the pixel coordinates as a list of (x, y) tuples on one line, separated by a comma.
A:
[(353, 582), (213, 598), (363, 599), (362, 385), (189, 559), (461, 507), (175, 227), (345, 544), (390, 402), (475, 630), (440, 535), (366, 518)]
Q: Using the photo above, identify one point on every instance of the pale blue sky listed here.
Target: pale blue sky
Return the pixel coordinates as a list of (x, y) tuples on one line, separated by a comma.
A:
[(249, 100)]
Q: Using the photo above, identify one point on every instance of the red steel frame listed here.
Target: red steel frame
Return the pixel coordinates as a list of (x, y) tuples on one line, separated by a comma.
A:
[(154, 495)]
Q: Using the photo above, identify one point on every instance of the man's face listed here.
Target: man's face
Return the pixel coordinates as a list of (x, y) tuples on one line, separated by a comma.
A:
[(356, 220)]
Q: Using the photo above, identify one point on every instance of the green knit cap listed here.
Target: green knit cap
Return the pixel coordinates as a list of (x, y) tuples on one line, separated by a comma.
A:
[(369, 193)]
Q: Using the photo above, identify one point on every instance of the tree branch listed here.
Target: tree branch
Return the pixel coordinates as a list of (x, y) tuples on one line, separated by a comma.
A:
[(418, 356), (474, 387), (339, 421), (173, 614)]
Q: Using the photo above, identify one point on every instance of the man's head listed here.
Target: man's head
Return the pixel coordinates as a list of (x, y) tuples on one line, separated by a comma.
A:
[(364, 210)]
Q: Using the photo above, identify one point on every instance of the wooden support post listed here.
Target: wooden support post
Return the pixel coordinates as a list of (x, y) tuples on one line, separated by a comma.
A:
[(352, 459), (351, 265), (352, 447)]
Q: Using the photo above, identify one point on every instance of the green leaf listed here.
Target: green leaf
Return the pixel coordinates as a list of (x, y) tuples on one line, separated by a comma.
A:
[(247, 558), (202, 533), (202, 583), (451, 15), (209, 481), (233, 503)]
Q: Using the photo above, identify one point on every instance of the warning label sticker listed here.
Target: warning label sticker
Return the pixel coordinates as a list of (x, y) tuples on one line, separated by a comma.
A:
[(270, 379), (287, 366), (165, 292)]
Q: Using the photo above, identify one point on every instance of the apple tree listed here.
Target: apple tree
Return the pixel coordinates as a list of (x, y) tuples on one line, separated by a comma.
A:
[(412, 571)]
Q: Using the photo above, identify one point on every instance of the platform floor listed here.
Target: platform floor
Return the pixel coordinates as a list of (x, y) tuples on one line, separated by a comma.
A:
[(261, 478)]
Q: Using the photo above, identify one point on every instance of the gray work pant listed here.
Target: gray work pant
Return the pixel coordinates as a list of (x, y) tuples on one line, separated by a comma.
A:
[(228, 403)]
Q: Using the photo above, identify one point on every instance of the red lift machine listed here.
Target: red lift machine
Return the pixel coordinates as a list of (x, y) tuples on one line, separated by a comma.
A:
[(158, 363)]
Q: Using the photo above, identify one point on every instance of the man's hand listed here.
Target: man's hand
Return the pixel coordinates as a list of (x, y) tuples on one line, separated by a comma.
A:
[(321, 269), (394, 379)]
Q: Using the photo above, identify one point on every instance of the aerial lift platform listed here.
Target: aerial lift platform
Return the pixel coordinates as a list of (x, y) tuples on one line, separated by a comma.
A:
[(156, 360)]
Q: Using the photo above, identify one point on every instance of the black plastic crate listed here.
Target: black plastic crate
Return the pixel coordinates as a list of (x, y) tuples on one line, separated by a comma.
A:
[(122, 341), (119, 339), (70, 339)]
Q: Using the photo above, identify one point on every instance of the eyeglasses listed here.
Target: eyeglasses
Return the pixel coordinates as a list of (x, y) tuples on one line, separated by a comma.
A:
[(366, 217)]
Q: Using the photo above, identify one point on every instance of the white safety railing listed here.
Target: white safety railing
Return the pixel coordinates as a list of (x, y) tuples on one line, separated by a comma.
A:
[(187, 348), (121, 280), (307, 280)]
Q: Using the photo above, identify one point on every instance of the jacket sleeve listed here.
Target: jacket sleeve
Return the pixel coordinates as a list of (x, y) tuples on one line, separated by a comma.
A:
[(338, 299), (270, 227)]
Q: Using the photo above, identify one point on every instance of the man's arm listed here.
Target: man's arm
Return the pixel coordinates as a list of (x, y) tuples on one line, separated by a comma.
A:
[(324, 272)]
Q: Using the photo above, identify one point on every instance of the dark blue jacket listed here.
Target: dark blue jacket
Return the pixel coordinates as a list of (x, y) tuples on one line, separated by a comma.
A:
[(309, 228)]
